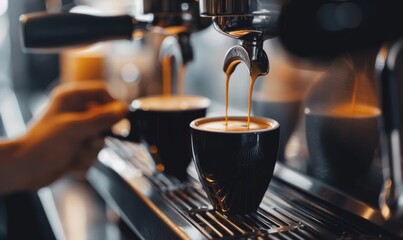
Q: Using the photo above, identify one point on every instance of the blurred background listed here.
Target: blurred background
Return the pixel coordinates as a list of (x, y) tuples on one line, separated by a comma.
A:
[(133, 69)]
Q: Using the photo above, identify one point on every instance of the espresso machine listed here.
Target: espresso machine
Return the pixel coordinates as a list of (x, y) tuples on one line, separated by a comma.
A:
[(297, 204)]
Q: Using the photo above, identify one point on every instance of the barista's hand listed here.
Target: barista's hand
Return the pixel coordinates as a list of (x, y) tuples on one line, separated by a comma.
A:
[(68, 136)]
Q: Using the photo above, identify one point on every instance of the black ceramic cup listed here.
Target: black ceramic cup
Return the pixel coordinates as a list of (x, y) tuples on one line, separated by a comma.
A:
[(161, 123), (235, 165), (341, 145)]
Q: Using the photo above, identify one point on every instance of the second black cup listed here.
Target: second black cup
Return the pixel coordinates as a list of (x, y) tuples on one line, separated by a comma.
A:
[(162, 124)]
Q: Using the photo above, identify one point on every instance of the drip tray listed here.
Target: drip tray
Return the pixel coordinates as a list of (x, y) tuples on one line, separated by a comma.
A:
[(156, 206), (266, 222)]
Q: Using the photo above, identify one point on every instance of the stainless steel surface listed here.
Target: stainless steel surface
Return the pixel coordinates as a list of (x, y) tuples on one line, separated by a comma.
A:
[(291, 209), (179, 47), (164, 7), (237, 7), (259, 26), (338, 199), (389, 78)]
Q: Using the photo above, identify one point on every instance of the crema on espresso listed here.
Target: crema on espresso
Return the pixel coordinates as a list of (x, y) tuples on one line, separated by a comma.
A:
[(170, 103), (235, 124)]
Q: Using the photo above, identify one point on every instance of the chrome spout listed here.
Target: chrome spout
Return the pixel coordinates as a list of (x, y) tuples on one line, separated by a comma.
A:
[(251, 54), (252, 22), (389, 78), (178, 48)]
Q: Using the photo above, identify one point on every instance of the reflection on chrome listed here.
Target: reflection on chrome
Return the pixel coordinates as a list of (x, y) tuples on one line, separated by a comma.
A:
[(108, 157), (294, 177), (388, 77)]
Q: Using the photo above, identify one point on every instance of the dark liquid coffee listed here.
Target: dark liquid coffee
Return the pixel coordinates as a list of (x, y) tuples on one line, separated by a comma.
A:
[(167, 73), (235, 164), (253, 78), (234, 125), (342, 142)]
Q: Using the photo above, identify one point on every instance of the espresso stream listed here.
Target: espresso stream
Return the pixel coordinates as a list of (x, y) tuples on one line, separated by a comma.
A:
[(253, 78), (167, 75), (167, 64)]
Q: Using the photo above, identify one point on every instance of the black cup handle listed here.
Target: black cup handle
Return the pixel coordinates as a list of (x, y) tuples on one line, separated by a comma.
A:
[(43, 31), (134, 134), (109, 133)]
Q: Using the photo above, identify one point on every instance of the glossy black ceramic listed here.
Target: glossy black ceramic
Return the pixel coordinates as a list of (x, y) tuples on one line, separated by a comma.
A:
[(341, 149), (235, 168), (166, 134)]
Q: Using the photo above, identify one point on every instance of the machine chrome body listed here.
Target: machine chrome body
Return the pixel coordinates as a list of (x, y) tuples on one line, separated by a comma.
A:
[(389, 76)]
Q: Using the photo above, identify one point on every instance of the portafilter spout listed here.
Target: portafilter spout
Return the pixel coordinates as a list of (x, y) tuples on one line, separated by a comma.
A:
[(251, 54), (252, 22)]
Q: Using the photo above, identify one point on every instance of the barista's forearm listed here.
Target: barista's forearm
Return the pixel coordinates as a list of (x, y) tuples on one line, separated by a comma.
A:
[(12, 173)]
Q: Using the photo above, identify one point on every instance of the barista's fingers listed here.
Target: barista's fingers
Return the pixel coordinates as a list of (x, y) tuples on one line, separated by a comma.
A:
[(76, 96), (91, 90), (98, 119)]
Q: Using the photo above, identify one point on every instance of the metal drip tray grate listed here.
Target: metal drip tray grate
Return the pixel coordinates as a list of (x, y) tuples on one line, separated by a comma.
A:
[(193, 204), (275, 217), (285, 212)]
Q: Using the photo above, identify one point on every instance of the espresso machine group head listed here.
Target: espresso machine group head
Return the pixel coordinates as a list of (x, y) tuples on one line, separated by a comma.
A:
[(252, 22), (178, 19), (50, 32)]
